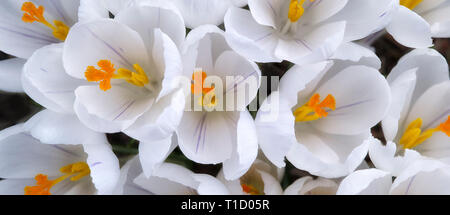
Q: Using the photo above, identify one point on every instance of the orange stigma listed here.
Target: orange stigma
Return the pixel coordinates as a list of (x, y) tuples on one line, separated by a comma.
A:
[(208, 97), (36, 14), (314, 109), (249, 189), (414, 136), (43, 185), (107, 72)]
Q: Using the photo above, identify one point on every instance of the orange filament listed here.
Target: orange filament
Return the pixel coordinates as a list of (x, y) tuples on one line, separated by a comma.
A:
[(33, 13), (411, 4), (314, 109), (107, 72), (208, 97), (76, 171), (414, 136), (249, 189), (296, 10)]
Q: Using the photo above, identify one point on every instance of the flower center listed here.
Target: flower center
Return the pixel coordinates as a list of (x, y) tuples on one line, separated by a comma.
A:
[(208, 96), (33, 13), (107, 72), (296, 10), (75, 172), (411, 4), (314, 109), (414, 136)]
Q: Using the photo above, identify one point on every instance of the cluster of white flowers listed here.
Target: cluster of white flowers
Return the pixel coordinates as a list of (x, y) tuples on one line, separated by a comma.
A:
[(109, 66)]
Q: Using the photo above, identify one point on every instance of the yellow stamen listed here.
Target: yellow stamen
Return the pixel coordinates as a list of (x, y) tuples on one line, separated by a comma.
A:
[(33, 13), (75, 172), (296, 10), (411, 4), (249, 189), (414, 136), (313, 110), (106, 73), (208, 97)]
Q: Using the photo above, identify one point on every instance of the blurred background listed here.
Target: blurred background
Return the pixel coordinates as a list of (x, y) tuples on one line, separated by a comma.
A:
[(16, 108)]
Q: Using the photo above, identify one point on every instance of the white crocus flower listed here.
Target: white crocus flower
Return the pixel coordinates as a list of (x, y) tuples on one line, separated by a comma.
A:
[(217, 129), (300, 31), (414, 22), (422, 177), (418, 119), (200, 12), (90, 10), (135, 59), (27, 25), (55, 154), (320, 118)]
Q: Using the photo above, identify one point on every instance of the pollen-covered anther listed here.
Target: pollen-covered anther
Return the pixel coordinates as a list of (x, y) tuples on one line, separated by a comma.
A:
[(36, 14), (413, 135), (314, 109), (74, 171), (107, 72), (411, 4), (296, 10), (208, 96)]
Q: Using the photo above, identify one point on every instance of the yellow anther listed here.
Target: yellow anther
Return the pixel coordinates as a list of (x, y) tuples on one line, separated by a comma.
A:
[(314, 109), (411, 4), (208, 97), (296, 10), (106, 73), (33, 13), (76, 171), (413, 135)]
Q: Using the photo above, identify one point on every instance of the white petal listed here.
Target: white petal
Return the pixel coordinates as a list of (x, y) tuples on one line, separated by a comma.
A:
[(248, 38), (425, 177), (402, 89), (15, 186), (119, 105), (271, 185), (153, 153), (200, 12), (384, 157), (10, 72), (328, 155), (264, 12), (47, 82), (23, 156), (410, 29), (366, 182), (357, 54), (161, 120), (56, 128), (275, 128), (128, 173), (104, 165), (168, 61), (169, 179), (246, 148), (432, 68), (317, 45), (362, 99), (146, 16), (439, 21), (209, 185), (207, 137), (103, 39)]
